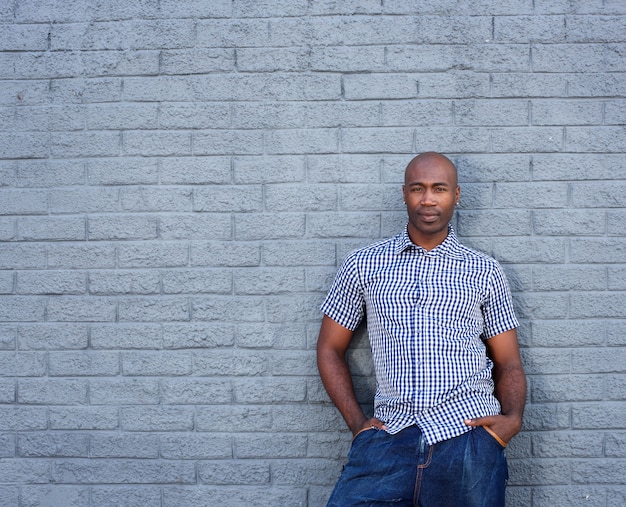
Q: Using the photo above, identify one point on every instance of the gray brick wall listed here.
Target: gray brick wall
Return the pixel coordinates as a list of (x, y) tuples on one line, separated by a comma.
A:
[(179, 180)]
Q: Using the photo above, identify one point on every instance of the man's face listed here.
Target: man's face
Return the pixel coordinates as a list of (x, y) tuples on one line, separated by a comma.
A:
[(430, 192)]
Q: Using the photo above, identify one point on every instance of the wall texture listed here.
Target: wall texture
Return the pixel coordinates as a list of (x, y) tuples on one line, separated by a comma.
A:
[(179, 180)]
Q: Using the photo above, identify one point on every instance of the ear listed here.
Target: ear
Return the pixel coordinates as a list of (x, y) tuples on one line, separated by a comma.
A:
[(404, 194), (457, 194)]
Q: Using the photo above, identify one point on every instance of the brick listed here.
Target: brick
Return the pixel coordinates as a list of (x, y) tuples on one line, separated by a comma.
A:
[(8, 394), (529, 85), (81, 200), (152, 309), (616, 220), (599, 304), (576, 57), (123, 392), (57, 444), (280, 198), (196, 392), (598, 415), (306, 418), (124, 282), (196, 116), (23, 202), (278, 335), (274, 169), (494, 223), (7, 282), (83, 418), (16, 418), (197, 496), (352, 59), (299, 253), (278, 389), (125, 171), (195, 446), (69, 495), (153, 255), (247, 418), (266, 281), (273, 59), (226, 363), (12, 471), (81, 255), (51, 282), (228, 309), (154, 363), (267, 226), (224, 254), (85, 144), (83, 363), (569, 222), (126, 336), (380, 86), (610, 196), (121, 227), (155, 199), (237, 472), (194, 61), (248, 8), (301, 472), (415, 112), (77, 309), (52, 392), (196, 9), (270, 446), (122, 471), (136, 496), (239, 198), (515, 250), (124, 446), (616, 444), (50, 336), (563, 496), (121, 116), (22, 309), (195, 170), (344, 169), (197, 335), (566, 112), (50, 173), (156, 143), (155, 419), (544, 361), (520, 29), (599, 360), (562, 278), (217, 226), (301, 141), (491, 112), (228, 142), (615, 385), (555, 388), (596, 139), (344, 225)]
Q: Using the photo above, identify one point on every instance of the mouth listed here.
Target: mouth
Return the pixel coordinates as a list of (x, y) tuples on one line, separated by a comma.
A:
[(428, 217)]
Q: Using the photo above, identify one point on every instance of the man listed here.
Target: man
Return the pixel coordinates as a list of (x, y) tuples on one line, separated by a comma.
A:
[(450, 384)]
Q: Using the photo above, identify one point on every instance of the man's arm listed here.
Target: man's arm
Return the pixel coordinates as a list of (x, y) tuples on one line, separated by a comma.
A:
[(332, 343), (510, 386)]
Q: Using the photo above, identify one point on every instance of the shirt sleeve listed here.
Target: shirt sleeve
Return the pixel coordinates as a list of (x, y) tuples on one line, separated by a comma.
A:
[(345, 300), (499, 315)]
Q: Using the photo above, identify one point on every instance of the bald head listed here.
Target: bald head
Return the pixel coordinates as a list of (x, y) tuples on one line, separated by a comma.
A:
[(431, 159)]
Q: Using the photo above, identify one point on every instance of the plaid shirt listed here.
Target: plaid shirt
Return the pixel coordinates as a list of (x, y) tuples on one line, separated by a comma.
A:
[(428, 313)]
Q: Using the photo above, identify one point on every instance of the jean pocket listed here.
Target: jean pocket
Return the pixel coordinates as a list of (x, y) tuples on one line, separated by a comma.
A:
[(364, 430), (495, 436)]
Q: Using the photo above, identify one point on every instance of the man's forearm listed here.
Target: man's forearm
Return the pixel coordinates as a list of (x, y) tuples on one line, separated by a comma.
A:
[(510, 390), (337, 380)]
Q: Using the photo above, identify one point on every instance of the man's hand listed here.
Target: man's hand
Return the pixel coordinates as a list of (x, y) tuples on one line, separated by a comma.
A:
[(369, 424), (502, 427)]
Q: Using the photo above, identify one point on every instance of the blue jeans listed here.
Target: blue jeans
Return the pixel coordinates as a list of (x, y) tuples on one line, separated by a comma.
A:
[(402, 470)]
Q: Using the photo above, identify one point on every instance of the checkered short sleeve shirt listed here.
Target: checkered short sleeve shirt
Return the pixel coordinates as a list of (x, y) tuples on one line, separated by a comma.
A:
[(428, 314)]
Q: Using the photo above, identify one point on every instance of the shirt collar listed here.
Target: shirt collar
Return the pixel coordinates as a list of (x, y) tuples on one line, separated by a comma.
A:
[(449, 248)]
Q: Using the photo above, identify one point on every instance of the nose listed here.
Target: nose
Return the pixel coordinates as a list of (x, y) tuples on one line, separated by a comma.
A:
[(428, 198)]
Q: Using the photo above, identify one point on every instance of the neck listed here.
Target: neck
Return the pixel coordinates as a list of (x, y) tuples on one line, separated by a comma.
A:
[(427, 241)]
